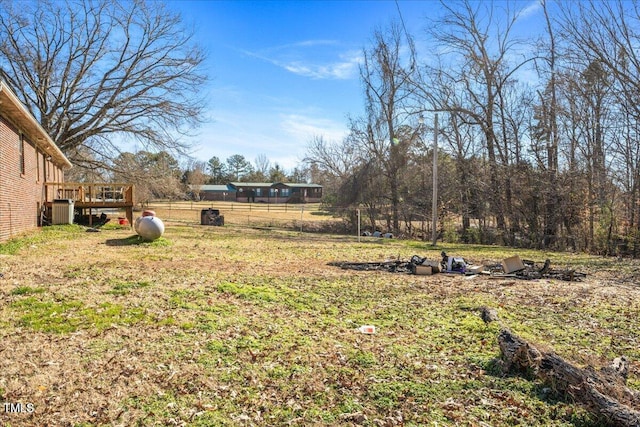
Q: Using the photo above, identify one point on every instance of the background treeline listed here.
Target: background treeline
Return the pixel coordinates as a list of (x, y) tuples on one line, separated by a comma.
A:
[(538, 128), (160, 175)]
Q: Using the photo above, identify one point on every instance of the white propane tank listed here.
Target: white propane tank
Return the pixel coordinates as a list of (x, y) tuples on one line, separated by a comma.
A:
[(149, 227)]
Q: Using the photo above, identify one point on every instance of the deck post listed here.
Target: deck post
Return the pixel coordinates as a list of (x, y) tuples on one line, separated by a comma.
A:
[(129, 211)]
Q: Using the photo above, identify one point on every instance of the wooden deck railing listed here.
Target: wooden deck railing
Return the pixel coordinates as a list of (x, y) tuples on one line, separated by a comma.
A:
[(92, 195)]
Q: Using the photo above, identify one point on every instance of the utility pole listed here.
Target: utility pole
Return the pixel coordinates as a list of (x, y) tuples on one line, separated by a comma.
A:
[(434, 201)]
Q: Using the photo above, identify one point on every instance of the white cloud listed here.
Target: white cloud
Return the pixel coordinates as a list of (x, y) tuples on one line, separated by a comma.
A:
[(282, 137), (345, 68), (304, 128), (317, 59), (533, 8), (305, 43)]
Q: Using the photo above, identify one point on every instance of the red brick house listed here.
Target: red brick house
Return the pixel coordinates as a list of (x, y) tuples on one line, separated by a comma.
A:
[(28, 159)]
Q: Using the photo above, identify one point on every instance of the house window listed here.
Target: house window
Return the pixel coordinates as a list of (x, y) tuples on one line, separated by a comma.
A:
[(21, 149), (285, 192), (258, 192)]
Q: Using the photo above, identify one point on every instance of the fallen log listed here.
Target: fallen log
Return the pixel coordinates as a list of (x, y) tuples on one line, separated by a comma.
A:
[(603, 392)]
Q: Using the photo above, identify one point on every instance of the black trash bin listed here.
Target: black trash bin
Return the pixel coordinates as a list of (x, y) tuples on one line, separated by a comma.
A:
[(211, 217)]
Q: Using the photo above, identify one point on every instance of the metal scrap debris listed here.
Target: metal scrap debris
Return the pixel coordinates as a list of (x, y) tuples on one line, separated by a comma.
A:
[(512, 267), (532, 270), (390, 266), (412, 266)]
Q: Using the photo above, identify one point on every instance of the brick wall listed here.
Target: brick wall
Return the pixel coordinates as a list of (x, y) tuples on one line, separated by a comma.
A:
[(21, 191)]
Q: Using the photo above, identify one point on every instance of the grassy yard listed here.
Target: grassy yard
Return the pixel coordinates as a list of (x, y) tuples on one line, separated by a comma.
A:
[(235, 325)]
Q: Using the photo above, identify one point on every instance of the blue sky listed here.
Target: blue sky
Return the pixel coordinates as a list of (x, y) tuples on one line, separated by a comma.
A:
[(283, 72)]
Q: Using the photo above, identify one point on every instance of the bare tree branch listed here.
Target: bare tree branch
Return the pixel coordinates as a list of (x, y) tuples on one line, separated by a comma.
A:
[(96, 72)]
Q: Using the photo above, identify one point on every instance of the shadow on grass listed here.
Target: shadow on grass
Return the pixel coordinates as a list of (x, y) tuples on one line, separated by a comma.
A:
[(136, 240), (128, 241)]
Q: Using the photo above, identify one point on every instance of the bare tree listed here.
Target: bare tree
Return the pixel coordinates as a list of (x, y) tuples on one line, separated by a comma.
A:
[(195, 176), (461, 140), (513, 112), (155, 175), (331, 165), (605, 35), (299, 174), (362, 187), (262, 166), (552, 138), (387, 76), (97, 72), (627, 150), (337, 159), (92, 173), (477, 70)]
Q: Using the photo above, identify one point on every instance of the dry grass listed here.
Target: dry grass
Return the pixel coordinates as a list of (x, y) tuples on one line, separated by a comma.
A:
[(244, 214), (240, 326)]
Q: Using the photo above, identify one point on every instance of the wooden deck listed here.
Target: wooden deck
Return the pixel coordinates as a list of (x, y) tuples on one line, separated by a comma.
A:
[(90, 196)]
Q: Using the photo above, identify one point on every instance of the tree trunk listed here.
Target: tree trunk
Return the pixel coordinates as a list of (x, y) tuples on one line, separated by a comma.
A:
[(495, 189), (635, 215), (551, 211), (395, 201), (552, 207)]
